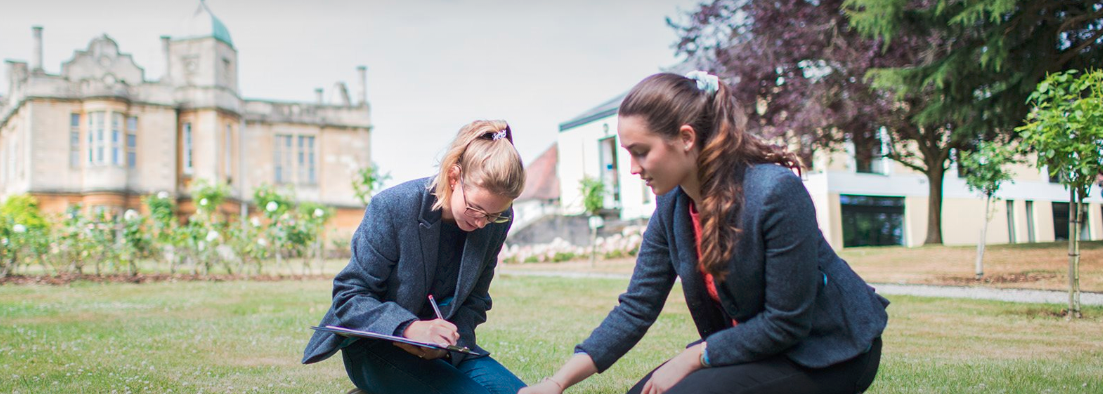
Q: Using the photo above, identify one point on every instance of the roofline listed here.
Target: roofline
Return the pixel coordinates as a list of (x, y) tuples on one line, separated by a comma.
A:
[(579, 122)]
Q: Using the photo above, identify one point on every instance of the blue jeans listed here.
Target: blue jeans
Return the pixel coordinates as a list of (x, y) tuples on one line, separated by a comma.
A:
[(379, 367)]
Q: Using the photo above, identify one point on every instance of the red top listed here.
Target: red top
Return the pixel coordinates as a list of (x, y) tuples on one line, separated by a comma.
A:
[(710, 283)]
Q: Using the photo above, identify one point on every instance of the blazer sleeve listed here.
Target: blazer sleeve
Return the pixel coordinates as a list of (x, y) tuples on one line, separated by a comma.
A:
[(791, 275), (640, 305), (360, 288)]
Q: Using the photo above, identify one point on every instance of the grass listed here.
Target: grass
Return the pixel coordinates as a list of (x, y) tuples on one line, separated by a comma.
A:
[(233, 337), (1041, 266)]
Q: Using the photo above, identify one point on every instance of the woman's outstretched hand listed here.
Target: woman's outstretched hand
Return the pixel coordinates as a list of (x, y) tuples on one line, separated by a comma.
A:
[(545, 387), (674, 370)]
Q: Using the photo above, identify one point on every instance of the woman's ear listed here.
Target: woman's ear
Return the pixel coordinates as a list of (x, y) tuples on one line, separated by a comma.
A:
[(454, 176), (687, 137)]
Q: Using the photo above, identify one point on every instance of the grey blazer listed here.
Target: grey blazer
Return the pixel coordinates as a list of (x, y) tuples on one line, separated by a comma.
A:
[(789, 291), (394, 258)]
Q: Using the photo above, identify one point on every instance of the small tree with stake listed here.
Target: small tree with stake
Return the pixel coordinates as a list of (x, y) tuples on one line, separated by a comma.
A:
[(593, 200), (985, 172), (1065, 129)]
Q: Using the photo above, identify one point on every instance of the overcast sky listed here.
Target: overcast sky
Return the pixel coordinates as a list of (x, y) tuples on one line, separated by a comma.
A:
[(433, 65)]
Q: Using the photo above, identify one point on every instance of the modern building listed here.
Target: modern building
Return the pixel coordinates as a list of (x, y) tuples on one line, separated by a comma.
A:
[(102, 134), (860, 199)]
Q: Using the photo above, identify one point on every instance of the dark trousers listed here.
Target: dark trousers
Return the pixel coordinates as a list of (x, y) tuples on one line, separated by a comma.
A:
[(778, 374)]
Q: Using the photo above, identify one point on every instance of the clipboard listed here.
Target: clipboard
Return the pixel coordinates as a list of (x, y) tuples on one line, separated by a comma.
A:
[(348, 332)]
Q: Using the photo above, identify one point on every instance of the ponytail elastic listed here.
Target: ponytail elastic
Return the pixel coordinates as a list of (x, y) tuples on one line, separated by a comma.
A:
[(503, 133), (706, 82)]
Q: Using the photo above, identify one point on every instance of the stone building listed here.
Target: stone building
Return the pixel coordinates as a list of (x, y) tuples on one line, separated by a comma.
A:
[(102, 135)]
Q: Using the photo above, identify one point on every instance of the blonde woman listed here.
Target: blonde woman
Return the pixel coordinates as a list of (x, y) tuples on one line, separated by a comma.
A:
[(437, 236)]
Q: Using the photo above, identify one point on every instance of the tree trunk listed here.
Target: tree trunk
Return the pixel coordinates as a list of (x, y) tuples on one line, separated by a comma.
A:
[(980, 243), (1074, 311), (934, 204), (1072, 252), (593, 246)]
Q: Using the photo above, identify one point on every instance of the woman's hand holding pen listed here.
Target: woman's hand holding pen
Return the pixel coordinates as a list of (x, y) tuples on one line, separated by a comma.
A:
[(438, 331)]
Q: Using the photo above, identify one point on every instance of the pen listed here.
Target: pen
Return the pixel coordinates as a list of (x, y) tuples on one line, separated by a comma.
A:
[(433, 302)]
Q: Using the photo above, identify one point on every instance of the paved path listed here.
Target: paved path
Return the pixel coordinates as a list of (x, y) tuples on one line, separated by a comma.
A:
[(977, 293)]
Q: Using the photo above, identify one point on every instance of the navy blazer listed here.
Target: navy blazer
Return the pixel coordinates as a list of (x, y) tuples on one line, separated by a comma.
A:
[(394, 259), (789, 291)]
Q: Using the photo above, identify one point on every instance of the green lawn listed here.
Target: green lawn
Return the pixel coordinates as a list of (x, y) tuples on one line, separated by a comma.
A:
[(243, 336)]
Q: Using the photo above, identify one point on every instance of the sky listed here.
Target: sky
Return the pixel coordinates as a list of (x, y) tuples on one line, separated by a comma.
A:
[(433, 65)]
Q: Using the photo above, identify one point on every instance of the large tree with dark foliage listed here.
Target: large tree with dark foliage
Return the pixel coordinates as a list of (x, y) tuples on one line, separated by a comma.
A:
[(991, 56), (802, 70), (810, 77)]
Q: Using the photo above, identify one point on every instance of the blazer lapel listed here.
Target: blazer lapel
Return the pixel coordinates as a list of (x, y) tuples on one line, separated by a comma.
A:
[(429, 235), (686, 247), (708, 315), (474, 252)]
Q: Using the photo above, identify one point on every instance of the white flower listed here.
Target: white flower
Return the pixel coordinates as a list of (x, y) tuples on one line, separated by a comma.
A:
[(130, 215), (262, 242), (203, 202), (255, 221), (163, 195), (212, 235), (272, 206), (318, 212), (19, 228), (3, 241)]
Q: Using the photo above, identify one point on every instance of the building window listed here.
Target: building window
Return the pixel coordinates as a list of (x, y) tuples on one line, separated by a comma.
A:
[(187, 148), (116, 138), (282, 158), (868, 154), (1010, 221), (1061, 222), (74, 140), (1030, 221), (294, 159), (306, 160), (227, 148), (96, 140), (131, 142), (609, 173), (872, 221)]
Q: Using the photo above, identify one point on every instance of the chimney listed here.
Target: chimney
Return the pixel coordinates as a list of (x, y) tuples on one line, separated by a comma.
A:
[(321, 97), (342, 94), (36, 60), (363, 93), (168, 58)]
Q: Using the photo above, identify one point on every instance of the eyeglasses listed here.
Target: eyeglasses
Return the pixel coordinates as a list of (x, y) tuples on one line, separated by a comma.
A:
[(477, 213)]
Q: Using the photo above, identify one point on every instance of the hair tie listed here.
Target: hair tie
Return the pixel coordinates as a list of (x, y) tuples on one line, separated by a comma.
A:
[(706, 82), (503, 133)]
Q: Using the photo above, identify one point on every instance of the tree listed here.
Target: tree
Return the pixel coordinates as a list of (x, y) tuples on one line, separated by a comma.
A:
[(313, 218), (985, 172), (367, 182), (276, 207), (801, 68), (986, 58), (206, 227), (1065, 130), (593, 201)]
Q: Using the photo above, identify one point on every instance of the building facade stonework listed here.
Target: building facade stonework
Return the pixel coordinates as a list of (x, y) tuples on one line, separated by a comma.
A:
[(102, 135)]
